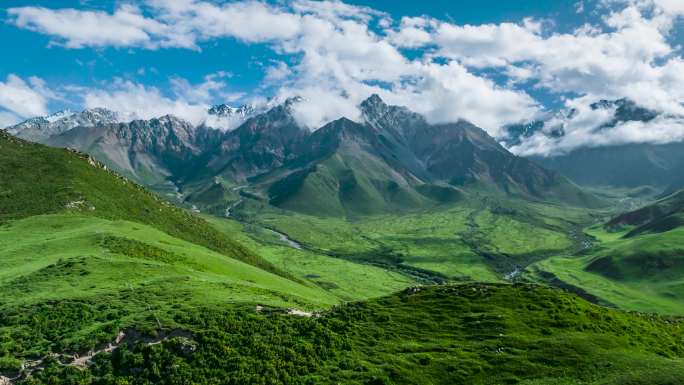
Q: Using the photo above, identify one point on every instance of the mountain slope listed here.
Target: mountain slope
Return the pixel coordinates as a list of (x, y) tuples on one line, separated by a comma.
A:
[(396, 160), (37, 180), (463, 154), (664, 215), (393, 160), (262, 143), (630, 165), (345, 169), (152, 152)]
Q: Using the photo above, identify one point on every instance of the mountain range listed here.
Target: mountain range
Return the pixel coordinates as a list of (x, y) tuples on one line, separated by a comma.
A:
[(394, 159)]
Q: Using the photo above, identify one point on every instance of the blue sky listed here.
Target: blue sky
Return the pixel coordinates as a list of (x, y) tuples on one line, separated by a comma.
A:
[(494, 62), (30, 53)]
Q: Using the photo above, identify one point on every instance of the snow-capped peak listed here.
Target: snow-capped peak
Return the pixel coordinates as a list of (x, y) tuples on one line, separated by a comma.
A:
[(59, 115), (225, 117), (224, 110), (43, 127)]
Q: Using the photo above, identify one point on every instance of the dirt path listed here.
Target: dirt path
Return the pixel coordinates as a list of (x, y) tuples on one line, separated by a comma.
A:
[(290, 311), (82, 361)]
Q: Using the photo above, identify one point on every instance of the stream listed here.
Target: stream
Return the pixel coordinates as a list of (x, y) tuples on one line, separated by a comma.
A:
[(282, 236), (285, 239), (229, 209)]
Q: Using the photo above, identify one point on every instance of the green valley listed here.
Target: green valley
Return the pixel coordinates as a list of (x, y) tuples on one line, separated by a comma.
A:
[(636, 263), (355, 254)]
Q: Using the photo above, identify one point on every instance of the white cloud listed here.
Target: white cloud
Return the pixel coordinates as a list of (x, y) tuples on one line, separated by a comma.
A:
[(450, 92), (412, 33), (342, 59), (126, 27), (136, 101), (336, 10), (586, 133), (321, 106), (20, 99), (176, 23), (8, 119), (338, 54), (629, 55), (343, 62), (213, 87), (276, 72), (189, 101), (250, 21)]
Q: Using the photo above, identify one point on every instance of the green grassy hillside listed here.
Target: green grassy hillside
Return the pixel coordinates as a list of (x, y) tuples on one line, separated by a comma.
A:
[(342, 278), (469, 334), (125, 273), (636, 262), (35, 180), (664, 215), (644, 273)]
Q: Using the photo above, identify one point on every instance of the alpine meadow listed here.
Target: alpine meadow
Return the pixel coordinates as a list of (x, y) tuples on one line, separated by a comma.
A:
[(356, 192)]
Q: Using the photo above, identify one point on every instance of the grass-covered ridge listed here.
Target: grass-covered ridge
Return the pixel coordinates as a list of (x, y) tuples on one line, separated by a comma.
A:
[(463, 334), (36, 180)]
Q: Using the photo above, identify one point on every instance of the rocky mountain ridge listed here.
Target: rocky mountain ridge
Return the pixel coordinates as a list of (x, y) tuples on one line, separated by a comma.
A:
[(393, 158)]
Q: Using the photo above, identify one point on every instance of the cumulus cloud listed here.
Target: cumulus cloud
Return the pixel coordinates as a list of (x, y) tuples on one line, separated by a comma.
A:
[(586, 124), (276, 72), (213, 87), (74, 28), (176, 23), (338, 54), (21, 99), (137, 101), (414, 32), (628, 55), (587, 132), (250, 21), (186, 100), (585, 61), (341, 59)]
